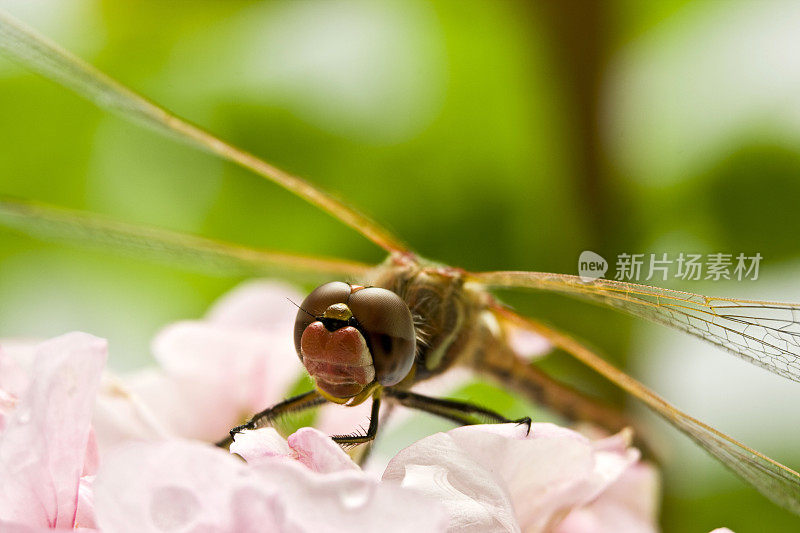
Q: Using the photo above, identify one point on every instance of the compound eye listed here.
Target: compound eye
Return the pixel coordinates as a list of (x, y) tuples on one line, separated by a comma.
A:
[(315, 305), (389, 328)]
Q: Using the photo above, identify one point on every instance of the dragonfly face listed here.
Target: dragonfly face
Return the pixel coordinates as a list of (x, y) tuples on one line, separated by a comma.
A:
[(427, 317), (350, 337)]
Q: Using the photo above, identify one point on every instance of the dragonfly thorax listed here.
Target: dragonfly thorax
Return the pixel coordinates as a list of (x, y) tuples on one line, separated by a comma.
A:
[(445, 311)]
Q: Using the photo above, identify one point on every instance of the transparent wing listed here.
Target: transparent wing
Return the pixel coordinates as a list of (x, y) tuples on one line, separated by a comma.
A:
[(187, 250), (774, 480), (45, 57), (765, 333)]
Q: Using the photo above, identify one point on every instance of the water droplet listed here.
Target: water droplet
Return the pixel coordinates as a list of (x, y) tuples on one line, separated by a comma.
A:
[(173, 508), (356, 495)]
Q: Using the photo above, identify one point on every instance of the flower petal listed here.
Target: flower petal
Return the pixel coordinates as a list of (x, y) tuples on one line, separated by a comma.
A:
[(629, 505), (85, 516), (7, 404), (528, 345), (256, 445), (225, 373), (520, 481), (91, 460), (351, 501), (214, 373), (186, 486), (441, 468), (169, 486), (42, 450), (308, 446), (178, 406), (14, 527), (259, 305), (121, 415), (16, 361), (335, 419), (492, 511), (318, 452)]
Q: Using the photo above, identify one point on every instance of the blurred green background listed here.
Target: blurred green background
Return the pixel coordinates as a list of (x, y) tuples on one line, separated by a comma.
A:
[(489, 135)]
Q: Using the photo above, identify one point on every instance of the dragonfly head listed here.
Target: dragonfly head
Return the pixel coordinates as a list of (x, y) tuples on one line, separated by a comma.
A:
[(351, 338)]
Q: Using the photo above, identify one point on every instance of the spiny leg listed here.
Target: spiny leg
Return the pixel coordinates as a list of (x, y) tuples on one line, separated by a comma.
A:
[(301, 402), (461, 412), (362, 453), (372, 431), (550, 393), (498, 361)]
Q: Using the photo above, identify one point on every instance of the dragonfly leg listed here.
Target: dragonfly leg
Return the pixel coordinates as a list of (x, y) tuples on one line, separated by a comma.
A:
[(553, 394), (294, 404), (372, 431), (499, 362), (464, 413)]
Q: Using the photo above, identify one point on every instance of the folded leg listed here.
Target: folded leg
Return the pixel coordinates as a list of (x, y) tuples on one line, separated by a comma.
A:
[(464, 413), (298, 403)]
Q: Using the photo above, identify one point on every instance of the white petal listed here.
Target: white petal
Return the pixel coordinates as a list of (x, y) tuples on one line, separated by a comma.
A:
[(259, 305), (169, 486), (256, 445), (250, 368), (187, 486), (351, 501), (492, 512), (16, 361), (335, 419), (225, 374), (440, 467), (121, 415), (528, 482), (183, 407), (526, 344), (629, 505)]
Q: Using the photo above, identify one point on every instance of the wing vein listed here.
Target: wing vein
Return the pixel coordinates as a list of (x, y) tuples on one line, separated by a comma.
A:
[(189, 250), (40, 54), (766, 334), (777, 482)]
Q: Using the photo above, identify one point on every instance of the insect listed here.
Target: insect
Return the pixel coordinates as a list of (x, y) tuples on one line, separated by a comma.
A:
[(362, 342), (463, 323)]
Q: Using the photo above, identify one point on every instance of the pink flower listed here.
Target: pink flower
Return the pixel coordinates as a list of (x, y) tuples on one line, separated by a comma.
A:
[(308, 446), (212, 374), (495, 478), (47, 451), (240, 359), (188, 486)]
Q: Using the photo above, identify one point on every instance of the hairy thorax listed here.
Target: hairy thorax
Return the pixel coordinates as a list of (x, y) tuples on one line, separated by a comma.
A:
[(447, 312)]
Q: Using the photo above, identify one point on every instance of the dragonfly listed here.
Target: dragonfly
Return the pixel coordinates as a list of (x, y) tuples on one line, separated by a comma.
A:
[(453, 316)]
